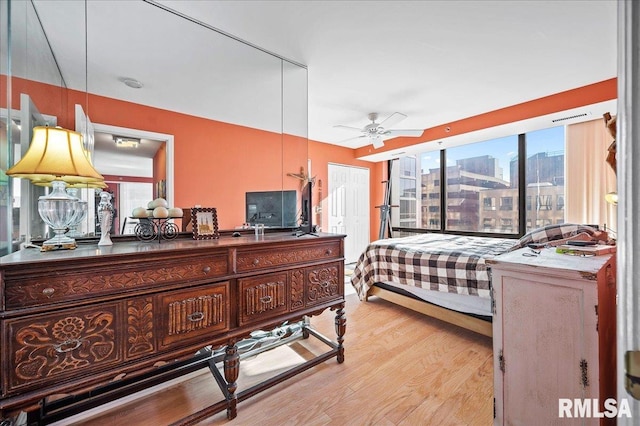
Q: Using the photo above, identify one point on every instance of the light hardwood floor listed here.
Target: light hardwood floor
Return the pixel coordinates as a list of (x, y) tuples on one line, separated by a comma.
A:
[(401, 368)]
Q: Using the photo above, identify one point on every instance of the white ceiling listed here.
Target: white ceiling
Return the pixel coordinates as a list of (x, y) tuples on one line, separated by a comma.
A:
[(435, 61)]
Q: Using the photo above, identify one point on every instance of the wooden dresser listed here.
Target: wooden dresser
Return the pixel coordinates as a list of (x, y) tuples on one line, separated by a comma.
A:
[(554, 336), (74, 320)]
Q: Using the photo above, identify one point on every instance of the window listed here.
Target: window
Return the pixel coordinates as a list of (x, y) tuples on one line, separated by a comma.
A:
[(489, 203), (545, 176), (408, 167), (507, 225), (408, 213), (506, 203), (543, 202), (430, 181), (481, 186), (473, 176), (407, 188)]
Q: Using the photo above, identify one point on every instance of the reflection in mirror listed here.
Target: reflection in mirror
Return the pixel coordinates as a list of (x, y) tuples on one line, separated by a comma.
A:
[(130, 161), (26, 63), (237, 114)]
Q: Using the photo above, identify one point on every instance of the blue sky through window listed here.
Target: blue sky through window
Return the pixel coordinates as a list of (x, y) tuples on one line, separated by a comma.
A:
[(504, 149)]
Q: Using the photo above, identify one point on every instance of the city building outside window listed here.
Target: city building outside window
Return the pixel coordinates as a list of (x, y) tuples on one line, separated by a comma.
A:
[(545, 176), (481, 185)]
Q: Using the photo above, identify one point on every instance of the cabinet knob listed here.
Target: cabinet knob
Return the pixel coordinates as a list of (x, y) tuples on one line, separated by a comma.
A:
[(328, 252), (206, 269), (266, 299), (256, 261), (196, 316), (48, 291)]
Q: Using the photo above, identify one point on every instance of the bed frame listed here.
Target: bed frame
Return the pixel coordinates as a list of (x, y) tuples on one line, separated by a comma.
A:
[(452, 317), (460, 319)]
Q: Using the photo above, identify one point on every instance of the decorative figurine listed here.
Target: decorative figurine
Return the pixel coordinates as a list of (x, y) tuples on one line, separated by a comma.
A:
[(105, 212)]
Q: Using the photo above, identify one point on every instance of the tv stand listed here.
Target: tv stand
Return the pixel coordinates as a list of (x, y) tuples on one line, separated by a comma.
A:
[(300, 233)]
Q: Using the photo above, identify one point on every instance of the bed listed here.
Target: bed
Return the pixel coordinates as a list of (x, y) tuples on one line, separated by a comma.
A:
[(445, 276)]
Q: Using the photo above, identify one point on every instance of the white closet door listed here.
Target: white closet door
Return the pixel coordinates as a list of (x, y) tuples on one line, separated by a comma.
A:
[(349, 207)]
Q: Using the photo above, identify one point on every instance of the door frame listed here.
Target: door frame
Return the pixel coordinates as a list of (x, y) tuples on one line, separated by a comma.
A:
[(145, 134)]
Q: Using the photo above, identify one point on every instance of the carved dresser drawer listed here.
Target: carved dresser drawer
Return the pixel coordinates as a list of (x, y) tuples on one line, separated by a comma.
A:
[(263, 296), (189, 314), (79, 284), (262, 259), (63, 345), (323, 283)]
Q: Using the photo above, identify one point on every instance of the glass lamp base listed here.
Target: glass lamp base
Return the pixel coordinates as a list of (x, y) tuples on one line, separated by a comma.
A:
[(60, 241), (51, 247), (58, 210)]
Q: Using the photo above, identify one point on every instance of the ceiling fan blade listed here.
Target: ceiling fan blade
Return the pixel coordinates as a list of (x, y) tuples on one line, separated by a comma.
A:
[(402, 132), (377, 142), (340, 126), (393, 119), (352, 139)]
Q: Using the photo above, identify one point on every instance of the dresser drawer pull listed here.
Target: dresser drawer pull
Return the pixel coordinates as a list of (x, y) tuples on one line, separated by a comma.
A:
[(206, 269), (196, 316), (256, 261), (266, 299), (48, 291), (324, 285), (328, 252), (67, 346)]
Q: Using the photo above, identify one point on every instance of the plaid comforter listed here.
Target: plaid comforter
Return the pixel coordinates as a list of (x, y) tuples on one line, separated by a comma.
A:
[(449, 263)]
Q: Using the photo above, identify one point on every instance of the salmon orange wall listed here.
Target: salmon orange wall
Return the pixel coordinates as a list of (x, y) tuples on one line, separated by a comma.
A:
[(206, 151)]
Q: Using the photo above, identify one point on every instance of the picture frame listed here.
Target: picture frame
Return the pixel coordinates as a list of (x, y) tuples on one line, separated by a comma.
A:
[(204, 223)]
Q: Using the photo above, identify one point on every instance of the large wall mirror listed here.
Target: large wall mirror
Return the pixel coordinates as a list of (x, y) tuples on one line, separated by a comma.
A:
[(214, 117)]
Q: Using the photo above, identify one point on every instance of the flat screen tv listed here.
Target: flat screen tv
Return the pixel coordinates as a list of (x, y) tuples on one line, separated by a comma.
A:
[(275, 209)]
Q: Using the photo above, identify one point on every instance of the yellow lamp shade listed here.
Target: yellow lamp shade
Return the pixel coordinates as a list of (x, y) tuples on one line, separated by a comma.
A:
[(88, 185), (55, 154)]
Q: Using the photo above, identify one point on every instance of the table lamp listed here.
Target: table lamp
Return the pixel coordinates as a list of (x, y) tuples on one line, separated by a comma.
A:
[(56, 156)]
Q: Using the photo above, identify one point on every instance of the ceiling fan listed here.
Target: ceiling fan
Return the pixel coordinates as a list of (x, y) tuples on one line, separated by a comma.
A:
[(377, 133)]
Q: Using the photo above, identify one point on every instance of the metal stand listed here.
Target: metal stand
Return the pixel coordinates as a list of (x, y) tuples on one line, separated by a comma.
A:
[(152, 228), (385, 209)]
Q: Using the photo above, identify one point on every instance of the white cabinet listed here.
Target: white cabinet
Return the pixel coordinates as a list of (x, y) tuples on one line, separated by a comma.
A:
[(553, 335)]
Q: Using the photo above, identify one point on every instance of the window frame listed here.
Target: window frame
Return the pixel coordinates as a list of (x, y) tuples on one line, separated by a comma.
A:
[(521, 204)]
